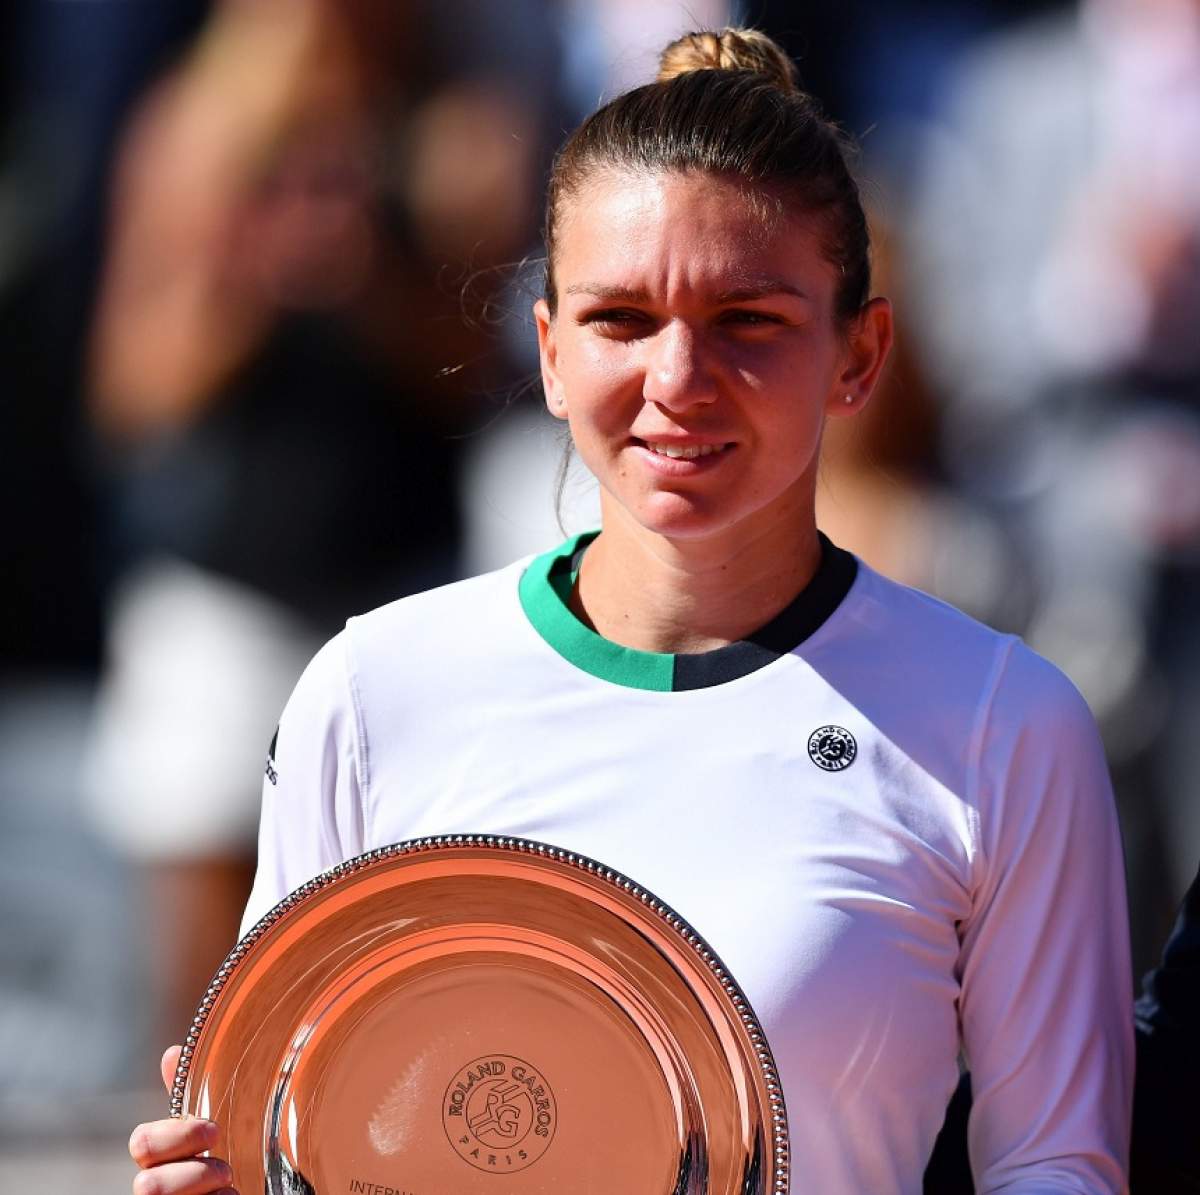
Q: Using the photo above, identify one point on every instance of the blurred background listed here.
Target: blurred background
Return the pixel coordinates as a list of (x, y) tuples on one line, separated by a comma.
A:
[(266, 361)]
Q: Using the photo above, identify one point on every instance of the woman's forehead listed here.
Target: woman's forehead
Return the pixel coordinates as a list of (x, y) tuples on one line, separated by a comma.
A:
[(625, 231), (618, 197)]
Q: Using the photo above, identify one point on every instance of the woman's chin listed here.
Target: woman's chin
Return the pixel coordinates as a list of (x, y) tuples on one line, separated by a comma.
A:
[(679, 516)]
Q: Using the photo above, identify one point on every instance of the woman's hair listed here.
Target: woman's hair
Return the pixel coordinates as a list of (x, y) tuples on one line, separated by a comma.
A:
[(726, 103)]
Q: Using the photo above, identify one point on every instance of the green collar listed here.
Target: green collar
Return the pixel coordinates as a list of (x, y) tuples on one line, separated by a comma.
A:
[(545, 590)]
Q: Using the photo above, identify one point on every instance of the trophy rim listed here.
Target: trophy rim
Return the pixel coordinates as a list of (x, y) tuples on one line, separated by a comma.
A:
[(496, 844)]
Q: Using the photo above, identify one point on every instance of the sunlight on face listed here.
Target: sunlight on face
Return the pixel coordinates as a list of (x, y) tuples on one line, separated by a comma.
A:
[(695, 352)]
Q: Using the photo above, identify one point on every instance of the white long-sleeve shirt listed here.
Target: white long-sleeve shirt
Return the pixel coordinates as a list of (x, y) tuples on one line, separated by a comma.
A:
[(893, 824)]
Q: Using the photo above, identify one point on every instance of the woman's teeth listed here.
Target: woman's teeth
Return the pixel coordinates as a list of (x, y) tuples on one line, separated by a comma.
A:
[(685, 452)]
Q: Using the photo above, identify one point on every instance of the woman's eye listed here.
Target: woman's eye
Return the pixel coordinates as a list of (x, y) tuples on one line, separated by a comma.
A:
[(614, 315), (618, 323), (749, 319)]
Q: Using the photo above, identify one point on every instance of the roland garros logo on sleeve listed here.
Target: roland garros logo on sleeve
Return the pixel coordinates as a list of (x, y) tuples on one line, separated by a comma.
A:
[(499, 1113), (832, 748)]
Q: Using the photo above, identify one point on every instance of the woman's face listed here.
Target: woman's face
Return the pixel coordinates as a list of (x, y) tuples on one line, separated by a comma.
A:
[(695, 353)]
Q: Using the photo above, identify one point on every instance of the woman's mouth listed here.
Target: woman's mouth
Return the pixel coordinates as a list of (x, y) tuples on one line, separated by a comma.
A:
[(686, 452)]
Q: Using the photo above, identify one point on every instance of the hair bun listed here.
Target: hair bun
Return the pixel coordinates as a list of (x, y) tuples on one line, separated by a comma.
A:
[(728, 50)]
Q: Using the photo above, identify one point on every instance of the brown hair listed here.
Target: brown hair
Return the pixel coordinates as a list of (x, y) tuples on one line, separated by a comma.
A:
[(726, 103)]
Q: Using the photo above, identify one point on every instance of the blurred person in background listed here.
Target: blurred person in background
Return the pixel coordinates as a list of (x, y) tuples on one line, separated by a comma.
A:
[(275, 379), (1055, 267), (880, 65), (883, 490), (1165, 1158), (68, 74)]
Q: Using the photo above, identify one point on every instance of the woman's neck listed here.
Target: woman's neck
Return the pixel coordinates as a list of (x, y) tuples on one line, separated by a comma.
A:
[(656, 594)]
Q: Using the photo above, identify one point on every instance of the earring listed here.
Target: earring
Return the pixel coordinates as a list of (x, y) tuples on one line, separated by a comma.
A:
[(849, 399)]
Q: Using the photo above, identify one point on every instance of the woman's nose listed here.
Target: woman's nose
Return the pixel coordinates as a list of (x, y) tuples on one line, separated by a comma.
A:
[(677, 376)]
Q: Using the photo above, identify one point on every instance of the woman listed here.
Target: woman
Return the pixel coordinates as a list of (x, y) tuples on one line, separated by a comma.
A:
[(893, 824)]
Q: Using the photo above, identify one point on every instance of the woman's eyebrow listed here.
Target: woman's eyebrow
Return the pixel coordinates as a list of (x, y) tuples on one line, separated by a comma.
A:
[(744, 292), (616, 294), (764, 288)]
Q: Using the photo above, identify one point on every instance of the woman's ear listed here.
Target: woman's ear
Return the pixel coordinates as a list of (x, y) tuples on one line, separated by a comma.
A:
[(868, 342), (556, 402)]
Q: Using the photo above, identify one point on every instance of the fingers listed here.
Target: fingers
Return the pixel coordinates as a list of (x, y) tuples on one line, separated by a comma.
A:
[(170, 1061), (197, 1176), (171, 1141), (166, 1150)]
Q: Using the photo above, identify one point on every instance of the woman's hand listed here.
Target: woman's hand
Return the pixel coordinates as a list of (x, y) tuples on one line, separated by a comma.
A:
[(167, 1152)]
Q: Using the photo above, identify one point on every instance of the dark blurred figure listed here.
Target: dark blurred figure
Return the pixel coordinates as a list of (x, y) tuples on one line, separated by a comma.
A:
[(276, 379), (1166, 1144), (68, 73), (874, 63)]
